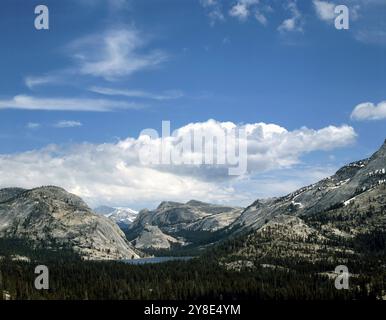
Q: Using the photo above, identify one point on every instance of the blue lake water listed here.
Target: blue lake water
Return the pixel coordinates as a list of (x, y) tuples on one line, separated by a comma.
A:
[(156, 260)]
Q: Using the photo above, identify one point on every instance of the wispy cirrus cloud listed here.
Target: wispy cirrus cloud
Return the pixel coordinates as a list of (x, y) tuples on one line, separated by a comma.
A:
[(372, 36), (53, 78), (168, 95), (34, 81), (25, 102), (112, 4), (33, 125), (67, 124), (114, 54)]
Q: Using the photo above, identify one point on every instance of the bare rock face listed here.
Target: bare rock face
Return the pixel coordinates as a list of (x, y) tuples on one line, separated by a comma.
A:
[(53, 217), (183, 222), (151, 237), (349, 182), (326, 221), (194, 216)]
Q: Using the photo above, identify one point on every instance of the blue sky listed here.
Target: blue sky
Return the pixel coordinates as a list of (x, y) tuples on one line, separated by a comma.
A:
[(107, 69)]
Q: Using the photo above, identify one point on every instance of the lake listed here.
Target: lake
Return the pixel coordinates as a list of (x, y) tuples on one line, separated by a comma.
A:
[(156, 260)]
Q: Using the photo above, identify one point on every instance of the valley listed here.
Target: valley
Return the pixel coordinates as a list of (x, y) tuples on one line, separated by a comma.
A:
[(280, 248)]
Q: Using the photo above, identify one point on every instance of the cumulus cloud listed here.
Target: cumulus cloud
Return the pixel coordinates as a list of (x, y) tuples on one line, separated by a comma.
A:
[(325, 10), (115, 54), (295, 22), (369, 111), (242, 9), (113, 173), (26, 102)]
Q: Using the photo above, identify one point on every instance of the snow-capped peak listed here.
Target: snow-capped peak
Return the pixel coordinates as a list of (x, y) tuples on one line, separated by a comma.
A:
[(120, 215)]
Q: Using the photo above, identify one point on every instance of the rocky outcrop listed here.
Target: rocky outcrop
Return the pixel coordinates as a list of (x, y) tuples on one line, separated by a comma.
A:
[(336, 220), (151, 237), (52, 217), (181, 220), (333, 192), (193, 215)]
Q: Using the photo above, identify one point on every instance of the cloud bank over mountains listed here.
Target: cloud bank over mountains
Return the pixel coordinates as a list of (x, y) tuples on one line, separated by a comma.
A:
[(112, 173)]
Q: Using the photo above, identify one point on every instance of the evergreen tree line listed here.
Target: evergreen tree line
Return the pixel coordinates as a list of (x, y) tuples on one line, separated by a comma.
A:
[(200, 278)]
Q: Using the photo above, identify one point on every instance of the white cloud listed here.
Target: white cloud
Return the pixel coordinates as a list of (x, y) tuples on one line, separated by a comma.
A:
[(168, 95), (65, 104), (112, 4), (295, 23), (67, 124), (115, 54), (112, 55), (369, 111), (34, 81), (33, 125), (242, 8), (240, 11), (287, 25), (261, 18), (371, 36), (325, 10), (214, 10), (112, 173), (226, 41)]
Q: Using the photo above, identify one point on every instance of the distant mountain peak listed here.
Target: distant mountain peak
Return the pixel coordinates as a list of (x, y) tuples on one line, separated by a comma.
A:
[(196, 203), (368, 175), (168, 204), (382, 149), (121, 215)]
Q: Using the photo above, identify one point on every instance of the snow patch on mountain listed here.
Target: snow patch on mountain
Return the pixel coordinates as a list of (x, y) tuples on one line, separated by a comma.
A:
[(123, 216)]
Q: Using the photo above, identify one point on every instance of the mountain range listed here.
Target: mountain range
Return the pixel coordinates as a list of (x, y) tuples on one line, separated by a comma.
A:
[(330, 216), (179, 224), (339, 219)]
